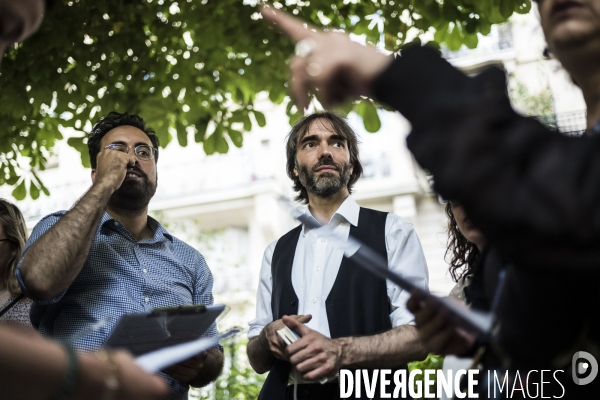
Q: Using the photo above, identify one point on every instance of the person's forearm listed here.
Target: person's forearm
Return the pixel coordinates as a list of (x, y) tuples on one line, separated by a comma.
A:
[(213, 365), (27, 357), (53, 262), (259, 354), (390, 349)]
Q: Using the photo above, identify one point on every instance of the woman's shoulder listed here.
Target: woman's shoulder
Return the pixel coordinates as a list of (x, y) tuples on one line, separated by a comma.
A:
[(19, 312)]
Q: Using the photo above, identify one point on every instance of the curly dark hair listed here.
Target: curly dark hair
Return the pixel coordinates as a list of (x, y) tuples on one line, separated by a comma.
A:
[(13, 223), (342, 128), (111, 121), (460, 253)]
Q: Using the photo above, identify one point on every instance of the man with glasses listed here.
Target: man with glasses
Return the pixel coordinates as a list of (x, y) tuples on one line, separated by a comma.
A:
[(106, 257)]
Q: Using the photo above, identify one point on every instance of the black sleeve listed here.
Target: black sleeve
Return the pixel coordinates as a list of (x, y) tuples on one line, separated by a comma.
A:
[(534, 193)]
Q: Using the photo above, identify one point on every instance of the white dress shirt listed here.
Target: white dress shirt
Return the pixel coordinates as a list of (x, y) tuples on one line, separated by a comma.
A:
[(316, 264)]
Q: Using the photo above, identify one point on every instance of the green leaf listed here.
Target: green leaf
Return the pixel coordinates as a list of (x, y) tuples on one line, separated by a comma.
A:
[(485, 27), (221, 145), (78, 143), (454, 39), (260, 118), (441, 33), (276, 96), (182, 135), (523, 6), (368, 112), (506, 8), (34, 191), (345, 108), (247, 122), (449, 11), (471, 41), (209, 144), (201, 127), (20, 191), (236, 137)]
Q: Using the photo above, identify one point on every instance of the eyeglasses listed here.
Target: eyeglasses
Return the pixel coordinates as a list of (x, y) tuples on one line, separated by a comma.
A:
[(141, 151)]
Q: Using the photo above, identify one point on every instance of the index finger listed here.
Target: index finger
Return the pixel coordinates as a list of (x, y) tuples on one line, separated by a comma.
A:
[(293, 27)]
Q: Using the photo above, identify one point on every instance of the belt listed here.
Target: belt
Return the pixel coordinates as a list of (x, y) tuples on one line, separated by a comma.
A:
[(314, 391)]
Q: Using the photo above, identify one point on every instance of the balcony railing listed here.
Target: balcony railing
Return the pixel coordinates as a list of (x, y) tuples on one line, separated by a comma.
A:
[(570, 124)]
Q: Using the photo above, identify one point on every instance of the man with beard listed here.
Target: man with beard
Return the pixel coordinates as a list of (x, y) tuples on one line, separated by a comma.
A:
[(352, 319), (106, 257)]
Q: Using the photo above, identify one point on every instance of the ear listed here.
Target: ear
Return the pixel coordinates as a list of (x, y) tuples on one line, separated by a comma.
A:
[(93, 174)]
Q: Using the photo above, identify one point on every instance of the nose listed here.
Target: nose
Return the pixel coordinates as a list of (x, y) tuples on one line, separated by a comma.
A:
[(132, 159), (325, 151)]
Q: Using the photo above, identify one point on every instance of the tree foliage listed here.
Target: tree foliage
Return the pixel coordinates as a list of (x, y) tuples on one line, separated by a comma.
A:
[(192, 69)]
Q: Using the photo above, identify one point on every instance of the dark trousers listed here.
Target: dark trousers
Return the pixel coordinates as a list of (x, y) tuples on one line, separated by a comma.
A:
[(314, 391)]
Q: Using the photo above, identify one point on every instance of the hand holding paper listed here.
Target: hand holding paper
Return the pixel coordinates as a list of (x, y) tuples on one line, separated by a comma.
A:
[(306, 353), (161, 359)]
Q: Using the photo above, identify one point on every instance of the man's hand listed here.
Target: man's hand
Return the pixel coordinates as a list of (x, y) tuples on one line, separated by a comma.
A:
[(187, 370), (111, 168), (276, 344), (314, 355), (436, 331)]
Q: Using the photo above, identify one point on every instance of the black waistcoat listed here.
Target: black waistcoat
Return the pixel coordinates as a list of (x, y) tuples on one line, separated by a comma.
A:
[(357, 305)]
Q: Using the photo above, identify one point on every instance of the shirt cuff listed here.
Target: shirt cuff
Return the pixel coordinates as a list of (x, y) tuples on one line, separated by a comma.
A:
[(254, 331), (401, 316)]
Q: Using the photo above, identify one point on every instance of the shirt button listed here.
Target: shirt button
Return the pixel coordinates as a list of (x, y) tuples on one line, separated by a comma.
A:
[(146, 299), (318, 267), (323, 240), (117, 223), (145, 270), (314, 301)]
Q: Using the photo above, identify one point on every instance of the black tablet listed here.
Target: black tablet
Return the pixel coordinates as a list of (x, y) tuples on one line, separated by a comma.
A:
[(144, 332)]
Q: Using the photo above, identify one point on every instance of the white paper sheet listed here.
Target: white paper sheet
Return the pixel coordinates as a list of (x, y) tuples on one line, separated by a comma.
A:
[(163, 358)]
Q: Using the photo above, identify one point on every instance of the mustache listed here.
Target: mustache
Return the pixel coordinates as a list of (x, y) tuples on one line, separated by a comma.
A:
[(139, 171), (326, 161)]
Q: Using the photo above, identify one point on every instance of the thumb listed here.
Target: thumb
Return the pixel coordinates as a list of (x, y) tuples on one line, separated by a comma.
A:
[(304, 318), (295, 325)]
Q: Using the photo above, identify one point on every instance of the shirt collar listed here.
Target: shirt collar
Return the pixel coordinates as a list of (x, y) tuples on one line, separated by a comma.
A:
[(159, 231), (348, 211)]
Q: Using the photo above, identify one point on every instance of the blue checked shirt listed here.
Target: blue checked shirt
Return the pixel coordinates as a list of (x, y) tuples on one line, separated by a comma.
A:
[(121, 276)]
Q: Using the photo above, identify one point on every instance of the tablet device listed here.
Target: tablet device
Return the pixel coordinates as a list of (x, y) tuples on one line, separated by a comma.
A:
[(141, 333)]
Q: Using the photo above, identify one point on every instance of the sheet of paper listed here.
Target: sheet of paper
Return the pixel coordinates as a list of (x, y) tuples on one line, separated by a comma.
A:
[(163, 358)]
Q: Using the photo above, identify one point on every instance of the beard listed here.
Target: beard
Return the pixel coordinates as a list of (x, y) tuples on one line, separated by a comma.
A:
[(133, 196), (326, 184)]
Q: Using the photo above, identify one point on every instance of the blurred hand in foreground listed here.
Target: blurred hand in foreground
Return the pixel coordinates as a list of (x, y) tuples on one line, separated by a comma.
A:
[(436, 330), (337, 67)]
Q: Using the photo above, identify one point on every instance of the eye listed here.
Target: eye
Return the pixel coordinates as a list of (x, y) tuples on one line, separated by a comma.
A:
[(118, 147), (339, 144), (143, 151)]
